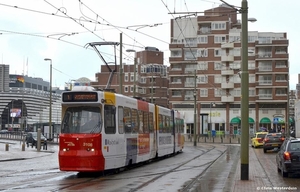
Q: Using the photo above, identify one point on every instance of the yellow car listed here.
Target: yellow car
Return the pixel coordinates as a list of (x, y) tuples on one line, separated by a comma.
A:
[(257, 140)]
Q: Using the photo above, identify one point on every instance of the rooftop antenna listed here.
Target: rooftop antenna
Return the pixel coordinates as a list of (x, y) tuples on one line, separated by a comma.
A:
[(112, 71)]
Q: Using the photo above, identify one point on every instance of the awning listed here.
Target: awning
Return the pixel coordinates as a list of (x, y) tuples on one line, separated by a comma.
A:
[(235, 120), (251, 120), (265, 120)]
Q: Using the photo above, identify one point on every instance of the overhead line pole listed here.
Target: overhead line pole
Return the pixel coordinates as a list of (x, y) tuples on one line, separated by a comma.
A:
[(121, 67), (244, 155), (195, 107)]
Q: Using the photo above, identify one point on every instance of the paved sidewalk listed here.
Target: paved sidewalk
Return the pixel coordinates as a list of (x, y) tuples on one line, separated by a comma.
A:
[(15, 152), (257, 177)]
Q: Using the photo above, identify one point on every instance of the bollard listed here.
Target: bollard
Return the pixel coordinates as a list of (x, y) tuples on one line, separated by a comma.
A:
[(6, 147), (229, 139), (205, 139), (221, 139), (23, 147), (239, 140), (213, 139)]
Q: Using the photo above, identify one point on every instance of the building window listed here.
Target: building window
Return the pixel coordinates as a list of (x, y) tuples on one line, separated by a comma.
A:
[(190, 54), (202, 66), (126, 77), (218, 78), (131, 77), (220, 39), (251, 92), (280, 78), (152, 89), (234, 39), (251, 78), (202, 53), (218, 52), (251, 65), (202, 79), (175, 67), (176, 53), (143, 80), (203, 92), (202, 39), (176, 93), (175, 80), (281, 92), (280, 64), (126, 89), (235, 52), (218, 26), (235, 92), (217, 66), (190, 42)]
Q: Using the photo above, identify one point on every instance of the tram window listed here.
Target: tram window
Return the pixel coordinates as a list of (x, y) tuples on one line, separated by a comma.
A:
[(141, 123), (135, 121), (151, 127), (160, 123), (146, 122), (127, 119), (120, 120), (167, 125), (82, 120), (109, 119)]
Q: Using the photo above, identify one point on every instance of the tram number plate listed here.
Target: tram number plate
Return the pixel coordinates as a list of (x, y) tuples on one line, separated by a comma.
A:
[(88, 144)]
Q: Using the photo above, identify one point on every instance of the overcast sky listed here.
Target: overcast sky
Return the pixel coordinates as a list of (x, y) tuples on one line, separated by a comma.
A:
[(32, 30)]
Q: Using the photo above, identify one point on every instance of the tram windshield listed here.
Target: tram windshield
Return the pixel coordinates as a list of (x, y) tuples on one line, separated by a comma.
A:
[(82, 120)]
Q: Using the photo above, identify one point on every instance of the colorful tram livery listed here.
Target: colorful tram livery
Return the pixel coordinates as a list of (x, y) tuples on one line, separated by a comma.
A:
[(104, 130)]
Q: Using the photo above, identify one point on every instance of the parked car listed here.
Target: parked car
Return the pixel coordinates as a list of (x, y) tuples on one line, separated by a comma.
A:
[(257, 140), (31, 138), (288, 157), (272, 141), (4, 131)]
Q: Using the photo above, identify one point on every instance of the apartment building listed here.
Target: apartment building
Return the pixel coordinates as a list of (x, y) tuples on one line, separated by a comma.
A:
[(150, 82), (205, 60)]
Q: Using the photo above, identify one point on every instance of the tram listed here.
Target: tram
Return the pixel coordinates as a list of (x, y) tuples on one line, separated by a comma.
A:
[(102, 130)]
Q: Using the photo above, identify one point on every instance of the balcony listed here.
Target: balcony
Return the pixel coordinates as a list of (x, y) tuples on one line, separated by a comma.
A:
[(188, 97), (227, 58), (227, 85), (227, 98), (227, 45), (265, 97), (227, 71)]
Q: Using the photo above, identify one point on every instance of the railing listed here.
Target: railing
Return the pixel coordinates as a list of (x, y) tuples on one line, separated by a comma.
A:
[(17, 135)]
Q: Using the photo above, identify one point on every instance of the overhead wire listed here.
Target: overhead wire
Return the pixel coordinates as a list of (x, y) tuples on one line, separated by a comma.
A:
[(96, 22), (119, 27)]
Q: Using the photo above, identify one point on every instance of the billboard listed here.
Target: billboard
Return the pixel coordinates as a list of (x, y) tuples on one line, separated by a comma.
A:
[(15, 112)]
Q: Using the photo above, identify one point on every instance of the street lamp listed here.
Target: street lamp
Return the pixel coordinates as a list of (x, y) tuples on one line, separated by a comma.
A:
[(195, 106), (211, 104), (134, 73), (287, 132), (50, 103), (12, 115)]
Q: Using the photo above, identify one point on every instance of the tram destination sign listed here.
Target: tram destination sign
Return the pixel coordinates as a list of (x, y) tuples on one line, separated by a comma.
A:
[(80, 97)]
